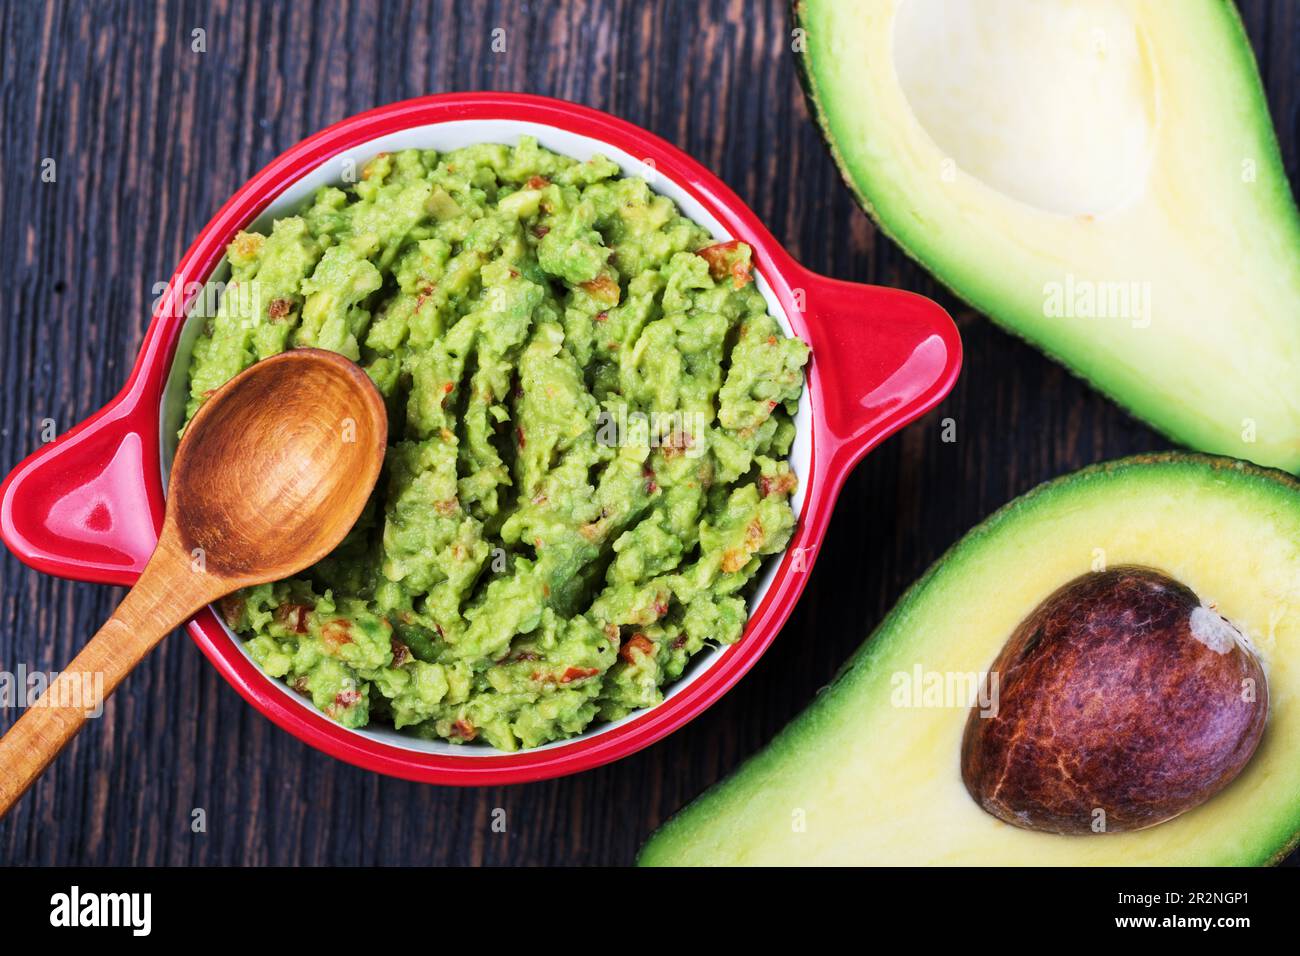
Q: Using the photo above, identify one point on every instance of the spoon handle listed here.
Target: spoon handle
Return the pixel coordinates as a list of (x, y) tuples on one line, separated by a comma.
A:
[(167, 593)]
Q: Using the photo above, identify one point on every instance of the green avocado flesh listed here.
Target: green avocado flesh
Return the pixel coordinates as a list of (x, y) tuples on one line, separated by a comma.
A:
[(1100, 177), (870, 772), (589, 407)]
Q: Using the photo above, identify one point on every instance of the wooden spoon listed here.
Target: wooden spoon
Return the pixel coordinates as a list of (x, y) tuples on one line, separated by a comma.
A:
[(270, 475)]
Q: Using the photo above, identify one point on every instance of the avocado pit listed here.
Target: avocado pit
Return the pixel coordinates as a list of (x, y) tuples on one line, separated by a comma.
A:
[(1122, 702)]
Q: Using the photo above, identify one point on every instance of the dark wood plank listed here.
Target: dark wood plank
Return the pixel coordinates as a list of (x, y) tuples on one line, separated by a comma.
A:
[(150, 137)]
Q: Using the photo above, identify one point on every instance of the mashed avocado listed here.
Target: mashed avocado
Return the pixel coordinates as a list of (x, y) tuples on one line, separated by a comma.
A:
[(590, 411)]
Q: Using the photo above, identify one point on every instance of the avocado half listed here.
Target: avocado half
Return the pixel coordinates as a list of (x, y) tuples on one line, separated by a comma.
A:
[(1100, 177), (870, 772)]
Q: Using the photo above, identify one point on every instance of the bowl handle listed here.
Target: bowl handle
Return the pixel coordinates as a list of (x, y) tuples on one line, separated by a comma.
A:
[(884, 357), (83, 506)]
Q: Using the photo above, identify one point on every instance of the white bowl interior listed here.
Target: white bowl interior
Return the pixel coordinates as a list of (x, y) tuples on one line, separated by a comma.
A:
[(444, 137)]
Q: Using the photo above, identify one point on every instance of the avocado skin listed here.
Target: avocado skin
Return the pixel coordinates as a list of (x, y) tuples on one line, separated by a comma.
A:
[(659, 850), (804, 71)]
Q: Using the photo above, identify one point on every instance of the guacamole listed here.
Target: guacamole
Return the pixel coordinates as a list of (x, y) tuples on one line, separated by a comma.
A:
[(590, 410)]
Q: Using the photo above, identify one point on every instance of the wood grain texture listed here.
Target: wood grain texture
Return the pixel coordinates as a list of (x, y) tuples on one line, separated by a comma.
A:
[(150, 137), (168, 593)]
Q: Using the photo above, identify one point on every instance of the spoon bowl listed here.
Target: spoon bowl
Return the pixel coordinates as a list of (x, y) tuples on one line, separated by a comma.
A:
[(279, 467)]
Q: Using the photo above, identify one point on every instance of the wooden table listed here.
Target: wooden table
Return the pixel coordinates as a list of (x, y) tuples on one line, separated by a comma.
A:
[(149, 137)]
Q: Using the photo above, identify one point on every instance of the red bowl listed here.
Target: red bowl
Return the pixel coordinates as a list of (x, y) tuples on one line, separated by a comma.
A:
[(89, 505)]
